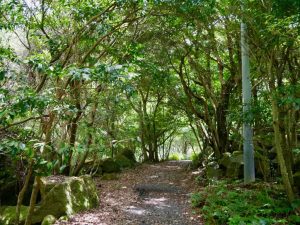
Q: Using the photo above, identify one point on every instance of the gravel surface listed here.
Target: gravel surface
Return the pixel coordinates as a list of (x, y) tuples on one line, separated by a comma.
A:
[(156, 194)]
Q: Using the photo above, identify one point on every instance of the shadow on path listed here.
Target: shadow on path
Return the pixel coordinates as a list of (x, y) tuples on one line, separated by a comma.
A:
[(151, 194)]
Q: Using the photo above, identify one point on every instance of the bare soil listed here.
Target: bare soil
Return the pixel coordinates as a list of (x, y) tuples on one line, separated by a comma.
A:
[(150, 194)]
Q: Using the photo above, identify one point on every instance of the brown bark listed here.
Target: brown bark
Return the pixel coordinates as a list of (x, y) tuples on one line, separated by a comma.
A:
[(280, 155), (287, 179), (22, 192), (90, 138), (34, 194)]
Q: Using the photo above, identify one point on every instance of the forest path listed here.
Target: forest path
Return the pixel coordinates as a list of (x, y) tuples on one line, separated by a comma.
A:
[(150, 194)]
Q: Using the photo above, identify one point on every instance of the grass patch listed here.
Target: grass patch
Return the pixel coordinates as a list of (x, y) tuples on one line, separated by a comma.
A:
[(236, 204)]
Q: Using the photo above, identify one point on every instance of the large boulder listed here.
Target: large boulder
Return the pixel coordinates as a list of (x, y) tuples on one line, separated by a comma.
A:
[(123, 161), (8, 215), (233, 163), (110, 166), (60, 196), (129, 154), (213, 172), (65, 196)]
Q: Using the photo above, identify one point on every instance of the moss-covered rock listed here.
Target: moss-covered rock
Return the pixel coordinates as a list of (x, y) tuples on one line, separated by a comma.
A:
[(123, 161), (49, 220), (68, 196), (110, 176), (225, 160), (129, 154), (212, 172), (8, 214), (110, 166), (47, 183), (233, 163), (63, 218)]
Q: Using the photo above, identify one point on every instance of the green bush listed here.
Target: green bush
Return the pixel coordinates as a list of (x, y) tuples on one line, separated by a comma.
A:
[(236, 204), (197, 199), (174, 156), (196, 160)]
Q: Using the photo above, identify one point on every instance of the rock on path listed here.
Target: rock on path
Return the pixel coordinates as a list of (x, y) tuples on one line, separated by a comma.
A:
[(155, 194)]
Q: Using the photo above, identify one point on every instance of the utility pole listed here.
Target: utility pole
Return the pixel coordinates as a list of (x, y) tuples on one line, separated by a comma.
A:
[(248, 152)]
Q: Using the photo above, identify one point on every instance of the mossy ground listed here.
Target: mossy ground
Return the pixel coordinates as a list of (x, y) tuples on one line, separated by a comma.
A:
[(233, 203), (8, 214)]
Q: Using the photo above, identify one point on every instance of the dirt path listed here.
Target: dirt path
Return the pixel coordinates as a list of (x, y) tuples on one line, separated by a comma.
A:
[(148, 195)]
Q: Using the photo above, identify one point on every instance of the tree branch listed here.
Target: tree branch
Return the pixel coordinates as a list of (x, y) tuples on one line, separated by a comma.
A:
[(23, 121)]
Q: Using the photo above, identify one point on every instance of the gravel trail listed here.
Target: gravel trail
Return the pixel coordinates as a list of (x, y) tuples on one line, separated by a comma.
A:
[(150, 194)]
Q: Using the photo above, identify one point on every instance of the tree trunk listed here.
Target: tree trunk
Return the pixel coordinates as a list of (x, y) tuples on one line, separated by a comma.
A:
[(35, 191), (280, 156), (22, 192)]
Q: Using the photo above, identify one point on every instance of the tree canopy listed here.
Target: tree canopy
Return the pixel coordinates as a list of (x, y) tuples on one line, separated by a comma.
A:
[(85, 80)]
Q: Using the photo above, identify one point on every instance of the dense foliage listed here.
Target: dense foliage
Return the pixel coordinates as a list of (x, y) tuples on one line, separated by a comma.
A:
[(233, 203), (81, 81)]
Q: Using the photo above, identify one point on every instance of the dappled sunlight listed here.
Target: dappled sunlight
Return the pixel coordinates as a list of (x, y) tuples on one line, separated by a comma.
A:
[(173, 167), (156, 166), (91, 218), (157, 202), (156, 199), (69, 205), (86, 203), (111, 200), (136, 211)]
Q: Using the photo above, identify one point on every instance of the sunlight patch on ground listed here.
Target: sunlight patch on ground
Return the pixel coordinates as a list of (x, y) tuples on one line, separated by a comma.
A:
[(135, 210), (155, 166), (110, 199), (158, 202), (174, 167)]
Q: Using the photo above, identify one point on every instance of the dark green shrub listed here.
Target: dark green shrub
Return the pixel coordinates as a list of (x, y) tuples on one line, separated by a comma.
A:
[(197, 199)]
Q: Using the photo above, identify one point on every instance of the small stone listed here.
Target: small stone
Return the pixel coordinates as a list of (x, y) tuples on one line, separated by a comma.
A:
[(63, 218), (49, 220)]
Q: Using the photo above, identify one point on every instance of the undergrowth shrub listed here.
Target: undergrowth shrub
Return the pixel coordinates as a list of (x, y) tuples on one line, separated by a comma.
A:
[(174, 156), (196, 160), (237, 204)]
